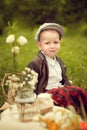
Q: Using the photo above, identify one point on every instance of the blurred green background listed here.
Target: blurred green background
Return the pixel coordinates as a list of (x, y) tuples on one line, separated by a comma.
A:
[(26, 16)]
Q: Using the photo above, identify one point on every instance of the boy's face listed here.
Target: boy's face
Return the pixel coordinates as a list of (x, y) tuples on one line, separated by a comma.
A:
[(49, 42)]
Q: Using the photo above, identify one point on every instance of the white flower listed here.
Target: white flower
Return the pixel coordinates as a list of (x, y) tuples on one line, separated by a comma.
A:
[(10, 39), (27, 69), (21, 85), (28, 75), (33, 72), (16, 50), (13, 78), (22, 40), (13, 82), (23, 72), (24, 83), (26, 79), (32, 83), (15, 85)]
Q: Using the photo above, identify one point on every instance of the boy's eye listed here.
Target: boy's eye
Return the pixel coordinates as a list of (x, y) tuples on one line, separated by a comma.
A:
[(56, 42), (47, 42)]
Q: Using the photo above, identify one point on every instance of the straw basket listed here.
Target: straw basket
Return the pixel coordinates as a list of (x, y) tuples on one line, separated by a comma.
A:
[(9, 94)]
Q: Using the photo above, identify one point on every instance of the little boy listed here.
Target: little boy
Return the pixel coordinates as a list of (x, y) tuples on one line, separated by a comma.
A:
[(52, 71)]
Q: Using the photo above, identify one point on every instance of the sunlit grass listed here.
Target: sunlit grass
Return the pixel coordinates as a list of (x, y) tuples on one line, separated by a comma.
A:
[(74, 54)]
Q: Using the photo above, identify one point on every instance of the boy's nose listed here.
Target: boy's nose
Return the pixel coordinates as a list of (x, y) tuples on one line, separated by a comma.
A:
[(52, 45)]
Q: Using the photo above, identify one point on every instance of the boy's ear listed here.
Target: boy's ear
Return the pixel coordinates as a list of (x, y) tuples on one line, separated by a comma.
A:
[(39, 45)]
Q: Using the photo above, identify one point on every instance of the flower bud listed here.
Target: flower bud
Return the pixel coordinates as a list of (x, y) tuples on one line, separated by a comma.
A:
[(10, 39), (22, 40), (16, 50)]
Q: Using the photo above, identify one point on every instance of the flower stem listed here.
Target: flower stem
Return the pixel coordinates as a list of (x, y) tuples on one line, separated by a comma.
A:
[(14, 62)]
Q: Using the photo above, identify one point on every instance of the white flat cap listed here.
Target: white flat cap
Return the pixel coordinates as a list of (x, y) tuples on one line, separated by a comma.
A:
[(46, 26)]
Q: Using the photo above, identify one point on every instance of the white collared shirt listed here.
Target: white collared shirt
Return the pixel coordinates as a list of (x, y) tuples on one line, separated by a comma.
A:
[(55, 73)]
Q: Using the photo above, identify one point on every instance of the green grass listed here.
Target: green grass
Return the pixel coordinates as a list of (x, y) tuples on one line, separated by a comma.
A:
[(73, 53)]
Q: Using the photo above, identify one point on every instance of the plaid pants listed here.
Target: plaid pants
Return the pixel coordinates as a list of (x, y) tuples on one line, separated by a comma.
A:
[(69, 95)]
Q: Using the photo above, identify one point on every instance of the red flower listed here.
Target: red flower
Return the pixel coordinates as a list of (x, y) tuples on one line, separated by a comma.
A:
[(83, 125)]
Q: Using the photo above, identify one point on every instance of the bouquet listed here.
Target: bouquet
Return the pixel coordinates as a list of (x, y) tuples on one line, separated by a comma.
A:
[(22, 85)]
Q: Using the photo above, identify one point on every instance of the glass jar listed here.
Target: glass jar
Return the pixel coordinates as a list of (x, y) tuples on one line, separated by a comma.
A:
[(27, 107)]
